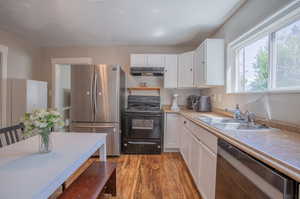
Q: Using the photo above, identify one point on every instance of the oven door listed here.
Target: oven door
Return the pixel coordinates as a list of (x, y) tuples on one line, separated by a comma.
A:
[(143, 126)]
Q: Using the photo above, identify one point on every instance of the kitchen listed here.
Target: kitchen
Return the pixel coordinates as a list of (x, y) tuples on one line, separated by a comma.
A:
[(195, 101)]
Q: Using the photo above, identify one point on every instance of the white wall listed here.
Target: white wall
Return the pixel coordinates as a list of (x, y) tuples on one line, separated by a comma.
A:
[(23, 61), (24, 58), (117, 55), (283, 107)]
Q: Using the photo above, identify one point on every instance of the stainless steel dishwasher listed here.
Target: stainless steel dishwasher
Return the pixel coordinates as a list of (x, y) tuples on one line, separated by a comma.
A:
[(240, 176)]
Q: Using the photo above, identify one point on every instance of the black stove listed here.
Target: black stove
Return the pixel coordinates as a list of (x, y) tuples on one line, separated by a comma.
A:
[(142, 125)]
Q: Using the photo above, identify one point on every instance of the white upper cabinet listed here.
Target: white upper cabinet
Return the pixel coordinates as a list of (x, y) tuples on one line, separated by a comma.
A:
[(186, 70), (138, 60), (155, 60), (147, 60), (209, 64), (171, 71)]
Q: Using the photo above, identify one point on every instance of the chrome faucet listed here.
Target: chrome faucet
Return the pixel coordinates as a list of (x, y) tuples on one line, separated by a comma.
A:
[(237, 114), (249, 117)]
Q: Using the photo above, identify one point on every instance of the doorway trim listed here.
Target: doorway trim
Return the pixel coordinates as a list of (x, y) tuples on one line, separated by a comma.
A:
[(3, 79), (68, 60)]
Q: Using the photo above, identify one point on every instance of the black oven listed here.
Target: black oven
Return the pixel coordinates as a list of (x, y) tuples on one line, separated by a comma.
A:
[(142, 127), (142, 133)]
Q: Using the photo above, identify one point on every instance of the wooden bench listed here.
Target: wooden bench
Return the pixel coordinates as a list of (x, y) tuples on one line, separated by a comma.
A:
[(98, 178)]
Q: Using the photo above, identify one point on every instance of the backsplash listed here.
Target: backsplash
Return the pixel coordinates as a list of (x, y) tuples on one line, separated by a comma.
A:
[(166, 94), (273, 106)]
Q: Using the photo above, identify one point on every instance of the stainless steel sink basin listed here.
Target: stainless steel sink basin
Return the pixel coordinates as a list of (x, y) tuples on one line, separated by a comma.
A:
[(229, 120), (252, 127), (231, 124)]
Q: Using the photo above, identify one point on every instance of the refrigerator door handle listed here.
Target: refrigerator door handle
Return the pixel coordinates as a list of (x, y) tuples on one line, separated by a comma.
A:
[(91, 94), (95, 94)]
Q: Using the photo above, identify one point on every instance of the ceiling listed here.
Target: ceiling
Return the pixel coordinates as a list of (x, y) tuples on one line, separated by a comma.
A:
[(114, 22)]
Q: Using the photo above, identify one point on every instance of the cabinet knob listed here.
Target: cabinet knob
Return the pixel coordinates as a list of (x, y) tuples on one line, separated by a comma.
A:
[(184, 122), (191, 69)]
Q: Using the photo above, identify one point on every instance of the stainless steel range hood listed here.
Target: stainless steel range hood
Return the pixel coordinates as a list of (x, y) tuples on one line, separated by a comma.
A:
[(147, 71)]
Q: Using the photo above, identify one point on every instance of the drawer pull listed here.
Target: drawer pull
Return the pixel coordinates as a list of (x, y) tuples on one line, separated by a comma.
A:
[(150, 143)]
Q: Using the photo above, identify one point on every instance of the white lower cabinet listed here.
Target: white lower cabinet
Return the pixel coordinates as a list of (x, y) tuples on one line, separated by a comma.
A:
[(200, 159), (185, 148), (207, 178), (171, 135), (196, 159)]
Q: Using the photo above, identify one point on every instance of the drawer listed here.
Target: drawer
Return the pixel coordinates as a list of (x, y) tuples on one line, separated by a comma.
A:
[(142, 147), (207, 138)]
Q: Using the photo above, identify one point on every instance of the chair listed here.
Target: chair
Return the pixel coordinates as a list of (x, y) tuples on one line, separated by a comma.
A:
[(12, 134)]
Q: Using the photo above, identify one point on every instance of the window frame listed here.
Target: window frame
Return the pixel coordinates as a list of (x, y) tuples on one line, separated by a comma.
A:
[(269, 27), (241, 82)]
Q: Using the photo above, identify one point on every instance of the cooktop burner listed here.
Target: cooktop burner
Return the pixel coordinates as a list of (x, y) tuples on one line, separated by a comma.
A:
[(137, 103)]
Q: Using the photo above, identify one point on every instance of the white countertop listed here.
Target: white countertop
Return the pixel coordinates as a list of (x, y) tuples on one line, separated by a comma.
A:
[(26, 174)]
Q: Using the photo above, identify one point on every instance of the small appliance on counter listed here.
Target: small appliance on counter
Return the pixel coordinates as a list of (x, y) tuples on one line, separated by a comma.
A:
[(191, 100), (199, 103), (175, 106), (203, 104)]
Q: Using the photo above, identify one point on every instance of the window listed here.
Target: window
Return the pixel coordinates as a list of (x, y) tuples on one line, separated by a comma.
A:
[(287, 65), (267, 58), (253, 64)]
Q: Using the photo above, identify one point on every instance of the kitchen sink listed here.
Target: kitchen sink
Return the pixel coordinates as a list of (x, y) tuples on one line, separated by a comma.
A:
[(252, 127), (229, 120), (231, 124)]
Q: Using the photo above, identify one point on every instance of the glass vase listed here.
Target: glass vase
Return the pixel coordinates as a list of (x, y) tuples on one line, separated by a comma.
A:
[(45, 141)]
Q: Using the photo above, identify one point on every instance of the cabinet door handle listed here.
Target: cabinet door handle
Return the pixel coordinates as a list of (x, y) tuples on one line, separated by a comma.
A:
[(184, 122), (191, 69)]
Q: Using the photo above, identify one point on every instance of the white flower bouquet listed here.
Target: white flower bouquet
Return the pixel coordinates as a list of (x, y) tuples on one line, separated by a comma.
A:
[(41, 122)]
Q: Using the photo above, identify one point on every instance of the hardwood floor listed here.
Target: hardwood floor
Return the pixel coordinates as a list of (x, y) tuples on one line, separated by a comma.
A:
[(153, 177)]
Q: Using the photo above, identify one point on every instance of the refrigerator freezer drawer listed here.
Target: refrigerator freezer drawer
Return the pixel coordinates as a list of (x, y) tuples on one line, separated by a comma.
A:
[(111, 129)]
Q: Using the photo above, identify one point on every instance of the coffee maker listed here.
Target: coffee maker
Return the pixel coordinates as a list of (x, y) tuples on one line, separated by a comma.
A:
[(199, 103)]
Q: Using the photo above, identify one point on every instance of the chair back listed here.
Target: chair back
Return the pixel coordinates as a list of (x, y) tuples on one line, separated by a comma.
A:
[(11, 134)]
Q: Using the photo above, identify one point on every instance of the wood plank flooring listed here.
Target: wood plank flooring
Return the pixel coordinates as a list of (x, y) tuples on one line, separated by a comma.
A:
[(153, 177)]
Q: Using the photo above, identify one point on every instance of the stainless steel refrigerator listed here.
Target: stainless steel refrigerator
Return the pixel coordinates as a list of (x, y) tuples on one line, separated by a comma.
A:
[(97, 100)]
